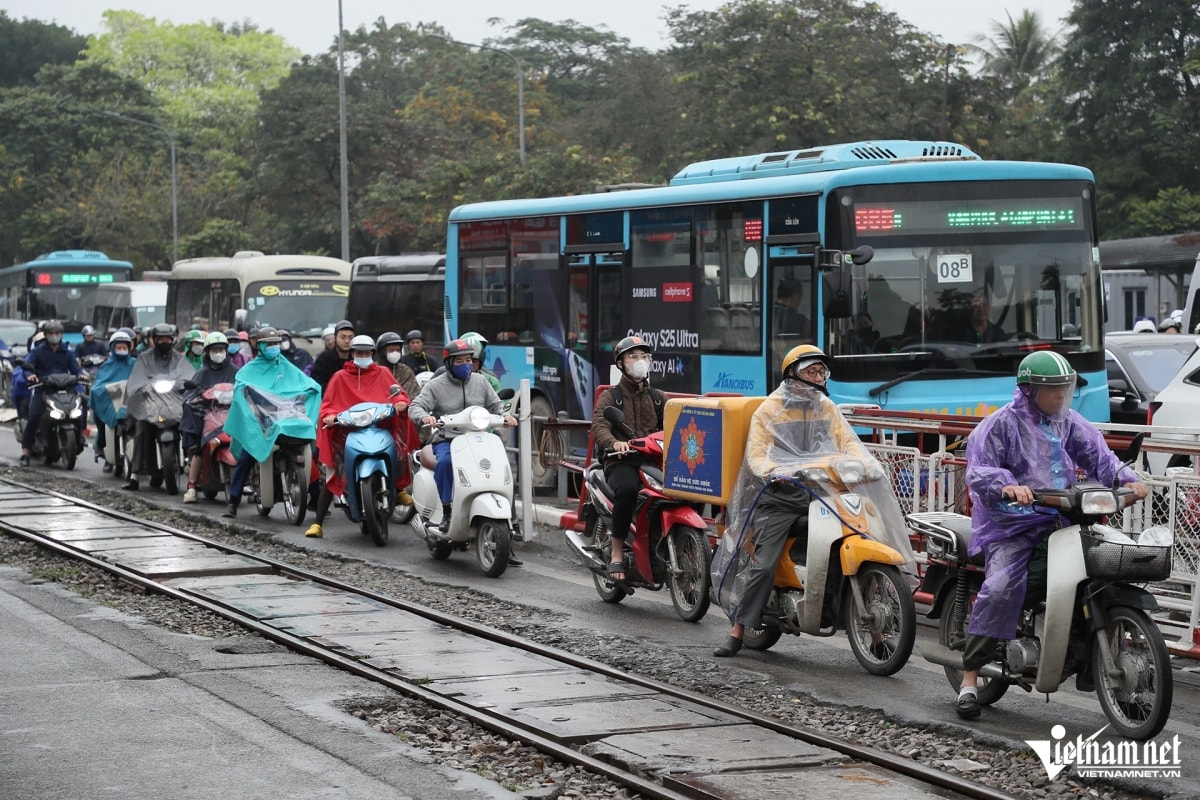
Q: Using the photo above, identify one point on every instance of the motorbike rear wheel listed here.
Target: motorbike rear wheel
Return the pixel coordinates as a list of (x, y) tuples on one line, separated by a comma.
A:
[(763, 637), (1137, 699), (597, 532), (882, 634), (690, 585), (989, 690), (294, 485), (493, 546), (376, 507), (170, 466), (440, 550), (68, 450)]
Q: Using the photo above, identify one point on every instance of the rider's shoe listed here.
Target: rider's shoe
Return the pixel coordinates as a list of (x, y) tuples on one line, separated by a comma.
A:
[(107, 468), (967, 706), (513, 561), (131, 484), (24, 462), (230, 511), (404, 498), (190, 495), (314, 531), (730, 648)]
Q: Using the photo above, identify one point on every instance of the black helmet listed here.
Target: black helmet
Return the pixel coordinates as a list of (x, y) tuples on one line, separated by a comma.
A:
[(52, 326), (163, 329), (344, 325), (630, 343), (413, 334), (230, 334), (386, 338), (269, 336)]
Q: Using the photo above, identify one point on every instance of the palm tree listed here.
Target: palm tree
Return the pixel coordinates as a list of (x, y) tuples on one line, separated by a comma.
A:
[(1019, 53)]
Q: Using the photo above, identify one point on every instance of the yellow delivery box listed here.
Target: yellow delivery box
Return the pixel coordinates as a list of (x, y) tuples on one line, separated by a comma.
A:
[(705, 442)]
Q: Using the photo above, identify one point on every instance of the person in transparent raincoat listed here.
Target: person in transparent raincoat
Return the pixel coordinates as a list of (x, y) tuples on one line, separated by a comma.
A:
[(795, 423), (1034, 442)]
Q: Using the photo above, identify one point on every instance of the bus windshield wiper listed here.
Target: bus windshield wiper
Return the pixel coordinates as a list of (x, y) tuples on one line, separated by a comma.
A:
[(937, 372)]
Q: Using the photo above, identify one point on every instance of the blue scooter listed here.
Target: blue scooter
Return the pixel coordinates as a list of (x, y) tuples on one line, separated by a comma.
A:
[(370, 466)]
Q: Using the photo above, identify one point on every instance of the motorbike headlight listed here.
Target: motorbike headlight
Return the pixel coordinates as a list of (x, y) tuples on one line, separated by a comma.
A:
[(163, 386), (56, 414), (1098, 503), (76, 413), (362, 418), (850, 470), (480, 419)]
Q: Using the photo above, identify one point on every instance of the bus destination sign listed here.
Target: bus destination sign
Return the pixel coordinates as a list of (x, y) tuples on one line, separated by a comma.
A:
[(55, 278), (969, 216)]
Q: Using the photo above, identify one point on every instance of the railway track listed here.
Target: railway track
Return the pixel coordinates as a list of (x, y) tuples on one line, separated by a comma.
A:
[(655, 739)]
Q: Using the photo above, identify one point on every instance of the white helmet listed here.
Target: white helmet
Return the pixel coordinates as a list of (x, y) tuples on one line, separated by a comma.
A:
[(424, 378)]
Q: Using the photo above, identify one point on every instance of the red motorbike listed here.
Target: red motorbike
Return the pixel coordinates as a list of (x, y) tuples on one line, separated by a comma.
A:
[(670, 545), (216, 459)]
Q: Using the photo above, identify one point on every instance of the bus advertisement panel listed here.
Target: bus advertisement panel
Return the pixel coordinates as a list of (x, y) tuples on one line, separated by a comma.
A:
[(925, 272)]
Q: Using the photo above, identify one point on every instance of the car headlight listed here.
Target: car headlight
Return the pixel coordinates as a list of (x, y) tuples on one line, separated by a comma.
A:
[(362, 418), (850, 470), (1098, 503)]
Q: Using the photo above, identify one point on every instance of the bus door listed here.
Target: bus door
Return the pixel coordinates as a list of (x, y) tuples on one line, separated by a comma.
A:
[(596, 321), (793, 315)]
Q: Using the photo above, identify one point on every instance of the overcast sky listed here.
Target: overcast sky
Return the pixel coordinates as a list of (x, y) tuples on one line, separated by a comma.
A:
[(311, 25)]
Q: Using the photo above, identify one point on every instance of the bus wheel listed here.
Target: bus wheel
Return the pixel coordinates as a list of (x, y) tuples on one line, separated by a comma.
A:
[(543, 474)]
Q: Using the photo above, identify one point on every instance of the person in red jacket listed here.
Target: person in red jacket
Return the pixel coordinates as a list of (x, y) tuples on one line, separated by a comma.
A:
[(360, 380)]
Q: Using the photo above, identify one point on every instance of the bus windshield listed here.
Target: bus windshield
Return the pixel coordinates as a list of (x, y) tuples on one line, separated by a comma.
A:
[(302, 307)]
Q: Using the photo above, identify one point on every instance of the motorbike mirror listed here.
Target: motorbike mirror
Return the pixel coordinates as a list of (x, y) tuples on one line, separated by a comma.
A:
[(617, 417), (1135, 447), (507, 394), (394, 390)]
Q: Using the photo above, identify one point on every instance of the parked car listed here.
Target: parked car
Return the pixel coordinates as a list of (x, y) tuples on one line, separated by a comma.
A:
[(1140, 365), (1177, 405)]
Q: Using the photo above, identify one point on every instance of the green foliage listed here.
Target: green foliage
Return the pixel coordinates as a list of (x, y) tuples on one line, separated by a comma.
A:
[(1173, 210), (28, 44)]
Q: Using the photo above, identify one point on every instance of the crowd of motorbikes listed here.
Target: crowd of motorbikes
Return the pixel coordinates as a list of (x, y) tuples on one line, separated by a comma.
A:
[(1094, 624)]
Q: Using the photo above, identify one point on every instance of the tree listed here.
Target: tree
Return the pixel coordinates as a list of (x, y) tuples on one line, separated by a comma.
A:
[(1131, 109), (29, 44), (1019, 54)]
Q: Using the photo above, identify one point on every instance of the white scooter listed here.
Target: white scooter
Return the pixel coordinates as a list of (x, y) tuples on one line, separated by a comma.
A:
[(483, 492)]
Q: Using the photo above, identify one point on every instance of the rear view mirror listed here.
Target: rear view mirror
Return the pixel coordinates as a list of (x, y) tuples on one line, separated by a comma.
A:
[(507, 394)]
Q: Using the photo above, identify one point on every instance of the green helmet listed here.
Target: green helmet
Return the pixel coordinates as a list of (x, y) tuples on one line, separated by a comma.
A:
[(193, 335), (216, 337), (477, 341), (1045, 368)]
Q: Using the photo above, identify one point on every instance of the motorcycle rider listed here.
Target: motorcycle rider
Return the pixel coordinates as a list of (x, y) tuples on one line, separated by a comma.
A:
[(160, 361), (193, 348), (361, 380), (114, 370), (479, 343), (389, 349), (268, 374), (297, 355), (448, 393), (240, 353), (417, 359), (50, 358), (216, 368), (330, 361), (90, 346), (1035, 441), (643, 409)]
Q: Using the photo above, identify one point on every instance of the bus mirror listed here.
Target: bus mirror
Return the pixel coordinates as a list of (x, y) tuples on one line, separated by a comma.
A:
[(862, 255), (239, 318), (836, 288)]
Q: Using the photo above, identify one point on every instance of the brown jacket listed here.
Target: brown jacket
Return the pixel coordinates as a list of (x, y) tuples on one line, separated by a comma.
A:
[(641, 414)]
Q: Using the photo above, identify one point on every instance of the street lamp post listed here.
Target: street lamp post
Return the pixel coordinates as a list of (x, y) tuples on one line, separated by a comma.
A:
[(343, 168), (520, 85), (174, 177)]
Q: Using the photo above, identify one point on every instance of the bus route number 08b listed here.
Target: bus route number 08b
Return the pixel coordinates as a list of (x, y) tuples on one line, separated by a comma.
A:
[(954, 268)]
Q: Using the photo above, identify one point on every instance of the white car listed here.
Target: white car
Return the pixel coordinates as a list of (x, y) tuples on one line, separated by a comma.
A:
[(1177, 406)]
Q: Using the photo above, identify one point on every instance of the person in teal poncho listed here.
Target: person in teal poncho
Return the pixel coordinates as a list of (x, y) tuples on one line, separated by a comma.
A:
[(271, 398), (114, 370)]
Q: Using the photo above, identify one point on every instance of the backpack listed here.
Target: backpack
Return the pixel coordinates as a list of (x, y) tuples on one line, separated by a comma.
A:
[(618, 400)]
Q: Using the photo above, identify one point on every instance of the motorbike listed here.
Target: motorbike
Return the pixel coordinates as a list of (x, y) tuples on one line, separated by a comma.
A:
[(837, 571), (1094, 622), (216, 457), (289, 469), (58, 435), (483, 492), (670, 545), (118, 441), (164, 412), (370, 463)]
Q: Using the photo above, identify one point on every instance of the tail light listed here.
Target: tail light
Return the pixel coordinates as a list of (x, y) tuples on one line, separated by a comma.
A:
[(1154, 406)]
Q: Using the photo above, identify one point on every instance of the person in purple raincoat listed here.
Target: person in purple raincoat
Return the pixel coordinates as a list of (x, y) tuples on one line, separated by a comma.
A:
[(1034, 442)]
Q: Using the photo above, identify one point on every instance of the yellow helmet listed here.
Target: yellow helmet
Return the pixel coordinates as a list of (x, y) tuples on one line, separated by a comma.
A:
[(802, 356)]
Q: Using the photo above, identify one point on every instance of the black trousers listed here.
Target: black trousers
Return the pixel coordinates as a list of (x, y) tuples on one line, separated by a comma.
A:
[(624, 479)]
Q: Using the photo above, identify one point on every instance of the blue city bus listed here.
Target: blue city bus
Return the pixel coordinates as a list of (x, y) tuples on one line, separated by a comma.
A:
[(925, 272), (59, 285)]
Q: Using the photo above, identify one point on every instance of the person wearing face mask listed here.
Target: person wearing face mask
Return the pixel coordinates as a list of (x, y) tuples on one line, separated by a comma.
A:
[(389, 348), (329, 362), (239, 347), (193, 348), (795, 421), (50, 358), (643, 409), (216, 368), (295, 354), (271, 398), (361, 380), (448, 393), (115, 369), (161, 361)]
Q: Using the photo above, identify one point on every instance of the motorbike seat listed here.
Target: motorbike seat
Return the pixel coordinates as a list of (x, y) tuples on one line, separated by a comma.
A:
[(594, 476), (961, 528)]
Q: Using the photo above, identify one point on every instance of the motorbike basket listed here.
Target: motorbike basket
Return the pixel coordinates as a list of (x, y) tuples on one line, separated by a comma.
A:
[(1126, 562)]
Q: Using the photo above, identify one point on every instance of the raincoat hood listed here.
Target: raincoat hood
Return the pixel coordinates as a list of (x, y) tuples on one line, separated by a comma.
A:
[(115, 370), (271, 398)]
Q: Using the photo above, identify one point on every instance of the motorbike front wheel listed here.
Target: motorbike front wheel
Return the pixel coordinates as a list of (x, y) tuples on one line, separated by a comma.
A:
[(372, 493), (1135, 690), (597, 532), (690, 583), (989, 690), (68, 450), (295, 486), (493, 545), (170, 466), (881, 633)]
